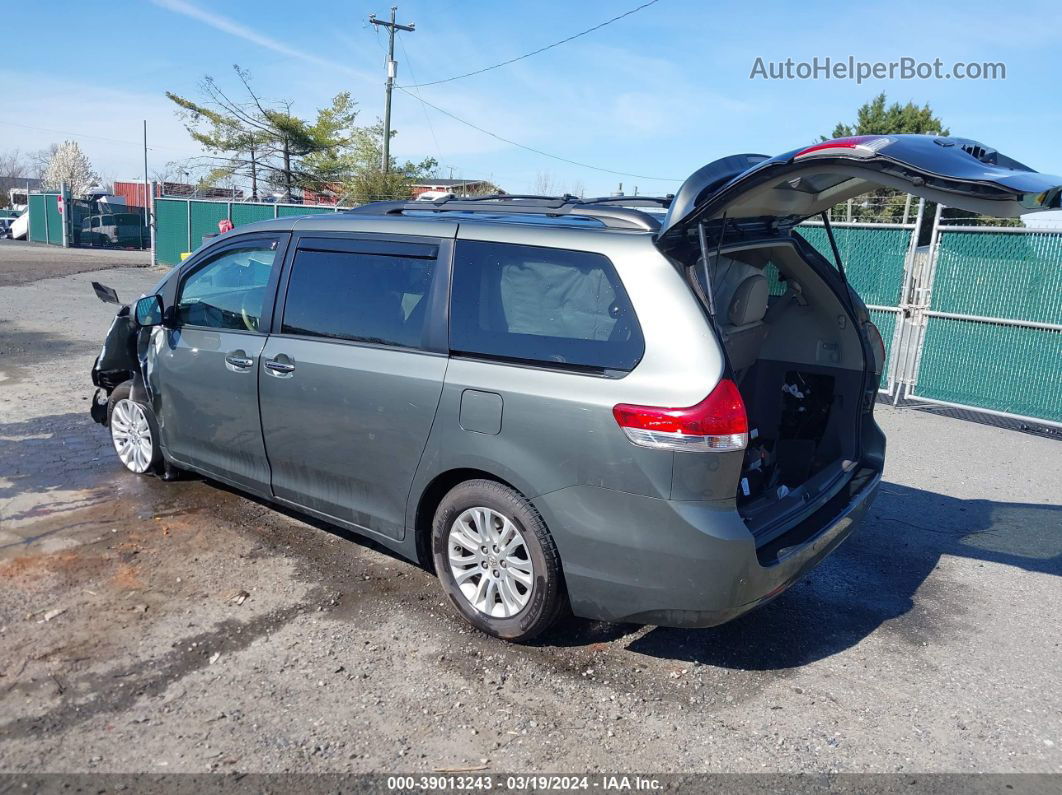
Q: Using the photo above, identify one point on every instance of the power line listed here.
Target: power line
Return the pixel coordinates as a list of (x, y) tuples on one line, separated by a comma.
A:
[(534, 52), (427, 117), (84, 135), (531, 148)]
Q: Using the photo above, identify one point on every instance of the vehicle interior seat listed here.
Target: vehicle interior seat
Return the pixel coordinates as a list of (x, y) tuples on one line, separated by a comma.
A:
[(741, 290)]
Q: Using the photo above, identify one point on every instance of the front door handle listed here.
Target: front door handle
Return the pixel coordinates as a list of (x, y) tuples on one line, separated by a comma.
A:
[(279, 368), (239, 361)]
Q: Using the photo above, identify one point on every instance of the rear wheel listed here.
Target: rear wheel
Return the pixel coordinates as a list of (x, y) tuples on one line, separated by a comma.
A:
[(497, 561), (134, 432)]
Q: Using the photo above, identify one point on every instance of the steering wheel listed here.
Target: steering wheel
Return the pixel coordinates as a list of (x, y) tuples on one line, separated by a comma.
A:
[(250, 322)]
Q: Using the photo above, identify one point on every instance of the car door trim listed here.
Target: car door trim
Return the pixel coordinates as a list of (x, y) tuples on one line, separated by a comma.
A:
[(207, 255), (437, 321)]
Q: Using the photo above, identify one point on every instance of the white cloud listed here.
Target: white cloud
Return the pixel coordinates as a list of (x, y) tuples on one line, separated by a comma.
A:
[(234, 28), (107, 122)]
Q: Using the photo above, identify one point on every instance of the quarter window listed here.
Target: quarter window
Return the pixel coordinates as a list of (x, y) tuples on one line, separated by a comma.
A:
[(228, 292), (542, 305), (361, 297)]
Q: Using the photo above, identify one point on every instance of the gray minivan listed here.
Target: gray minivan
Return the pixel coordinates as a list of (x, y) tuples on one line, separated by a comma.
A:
[(554, 403)]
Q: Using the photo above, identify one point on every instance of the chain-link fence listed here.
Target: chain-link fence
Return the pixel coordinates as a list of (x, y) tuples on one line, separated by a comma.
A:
[(875, 258), (59, 220), (971, 319), (991, 330)]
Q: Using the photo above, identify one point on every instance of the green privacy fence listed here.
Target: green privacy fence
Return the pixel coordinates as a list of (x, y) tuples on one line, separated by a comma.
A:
[(45, 220), (993, 329), (181, 224), (873, 258)]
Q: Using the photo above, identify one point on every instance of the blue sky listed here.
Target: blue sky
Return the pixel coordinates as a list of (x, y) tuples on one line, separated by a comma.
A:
[(657, 94)]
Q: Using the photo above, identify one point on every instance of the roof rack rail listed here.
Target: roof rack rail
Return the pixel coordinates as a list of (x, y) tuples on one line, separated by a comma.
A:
[(629, 201), (553, 206)]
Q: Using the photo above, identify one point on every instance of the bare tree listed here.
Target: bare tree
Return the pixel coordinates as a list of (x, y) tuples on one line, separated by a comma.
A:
[(545, 184), (39, 160), (14, 164)]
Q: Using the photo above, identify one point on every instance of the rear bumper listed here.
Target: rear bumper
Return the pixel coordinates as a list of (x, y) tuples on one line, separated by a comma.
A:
[(630, 558)]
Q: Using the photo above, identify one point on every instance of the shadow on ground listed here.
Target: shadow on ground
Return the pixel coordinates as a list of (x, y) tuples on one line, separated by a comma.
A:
[(877, 575), (58, 451)]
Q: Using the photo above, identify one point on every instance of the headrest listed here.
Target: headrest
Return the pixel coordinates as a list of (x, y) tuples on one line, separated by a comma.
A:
[(748, 304)]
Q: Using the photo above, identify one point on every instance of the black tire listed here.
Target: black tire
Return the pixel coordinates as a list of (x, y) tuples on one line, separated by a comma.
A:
[(547, 598), (120, 393)]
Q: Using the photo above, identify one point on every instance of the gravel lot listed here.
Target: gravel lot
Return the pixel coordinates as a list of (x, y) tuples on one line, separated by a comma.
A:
[(23, 263), (930, 641)]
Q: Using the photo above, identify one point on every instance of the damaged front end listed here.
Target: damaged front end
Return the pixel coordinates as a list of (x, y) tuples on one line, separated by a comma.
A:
[(119, 360)]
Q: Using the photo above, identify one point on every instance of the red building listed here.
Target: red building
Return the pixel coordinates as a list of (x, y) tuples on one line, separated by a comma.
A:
[(133, 192)]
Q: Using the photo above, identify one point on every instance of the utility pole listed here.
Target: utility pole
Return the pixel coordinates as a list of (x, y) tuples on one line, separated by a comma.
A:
[(391, 26), (147, 185)]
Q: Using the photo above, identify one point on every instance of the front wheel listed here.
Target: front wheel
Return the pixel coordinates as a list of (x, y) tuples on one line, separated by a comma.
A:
[(134, 433), (497, 561)]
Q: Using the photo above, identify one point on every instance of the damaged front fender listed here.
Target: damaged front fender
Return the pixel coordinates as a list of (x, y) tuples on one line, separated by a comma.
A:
[(122, 358)]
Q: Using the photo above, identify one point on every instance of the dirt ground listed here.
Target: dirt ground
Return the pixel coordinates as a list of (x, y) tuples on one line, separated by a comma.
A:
[(157, 627), (23, 263)]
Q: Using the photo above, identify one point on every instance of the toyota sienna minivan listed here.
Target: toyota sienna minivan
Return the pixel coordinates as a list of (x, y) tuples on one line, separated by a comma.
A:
[(555, 404)]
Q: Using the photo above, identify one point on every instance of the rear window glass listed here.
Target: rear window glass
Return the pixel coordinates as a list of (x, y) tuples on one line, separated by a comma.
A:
[(542, 305), (359, 297)]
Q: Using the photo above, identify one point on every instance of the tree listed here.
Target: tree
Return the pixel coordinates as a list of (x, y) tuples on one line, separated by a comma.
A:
[(70, 165), (14, 165), (546, 184), (257, 139), (367, 181), (875, 118), (486, 188), (266, 142), (40, 159), (878, 118)]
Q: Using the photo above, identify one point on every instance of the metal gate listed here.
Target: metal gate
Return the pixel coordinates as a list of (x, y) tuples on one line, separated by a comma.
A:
[(971, 320), (984, 326), (58, 219)]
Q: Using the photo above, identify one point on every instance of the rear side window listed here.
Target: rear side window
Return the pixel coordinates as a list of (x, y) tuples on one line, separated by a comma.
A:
[(359, 297), (542, 305)]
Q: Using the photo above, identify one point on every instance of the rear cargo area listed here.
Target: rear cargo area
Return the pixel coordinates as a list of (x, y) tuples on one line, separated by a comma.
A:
[(798, 363)]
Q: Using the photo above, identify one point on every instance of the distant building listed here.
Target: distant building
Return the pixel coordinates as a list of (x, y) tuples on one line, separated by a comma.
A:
[(458, 187), (133, 191)]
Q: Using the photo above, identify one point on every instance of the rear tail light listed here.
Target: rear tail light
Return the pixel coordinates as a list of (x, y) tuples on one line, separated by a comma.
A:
[(853, 146), (716, 424)]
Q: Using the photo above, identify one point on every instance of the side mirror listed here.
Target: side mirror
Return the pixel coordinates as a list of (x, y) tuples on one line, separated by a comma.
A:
[(149, 311)]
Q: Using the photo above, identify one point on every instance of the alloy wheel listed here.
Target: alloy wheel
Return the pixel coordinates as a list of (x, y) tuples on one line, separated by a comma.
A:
[(131, 435), (490, 562)]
